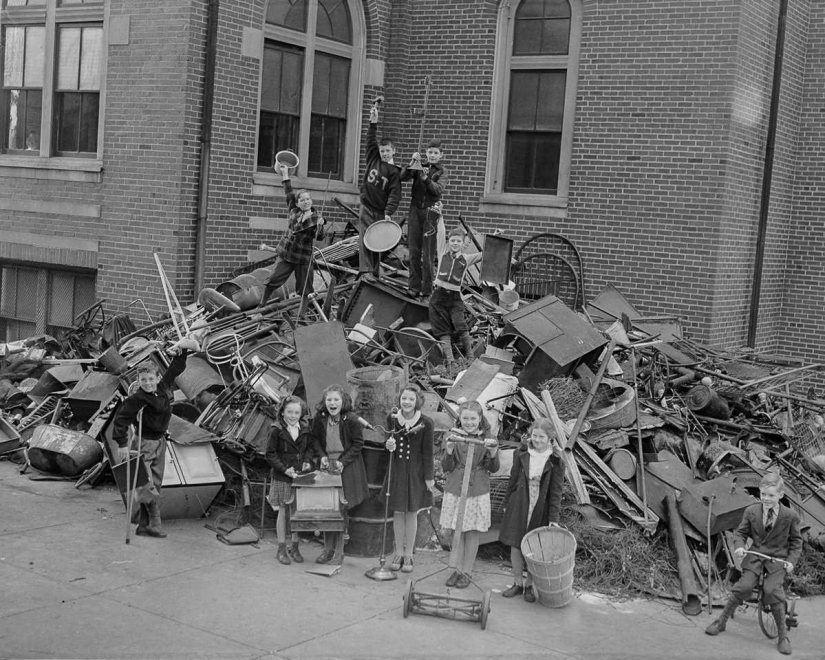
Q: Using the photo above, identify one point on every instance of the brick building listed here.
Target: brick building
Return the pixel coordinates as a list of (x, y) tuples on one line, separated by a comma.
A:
[(637, 128)]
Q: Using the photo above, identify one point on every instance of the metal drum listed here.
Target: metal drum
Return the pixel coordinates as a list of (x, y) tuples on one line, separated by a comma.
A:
[(245, 291)]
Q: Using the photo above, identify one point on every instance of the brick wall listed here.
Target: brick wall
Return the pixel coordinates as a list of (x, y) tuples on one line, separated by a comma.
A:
[(669, 136)]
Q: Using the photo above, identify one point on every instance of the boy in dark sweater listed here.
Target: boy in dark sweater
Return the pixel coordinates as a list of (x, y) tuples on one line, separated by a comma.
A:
[(154, 398), (305, 226), (428, 186), (380, 191)]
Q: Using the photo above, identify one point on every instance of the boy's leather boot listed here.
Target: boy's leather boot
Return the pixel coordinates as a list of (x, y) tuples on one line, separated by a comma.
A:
[(153, 528), (784, 643), (446, 349), (142, 520), (719, 624), (466, 345)]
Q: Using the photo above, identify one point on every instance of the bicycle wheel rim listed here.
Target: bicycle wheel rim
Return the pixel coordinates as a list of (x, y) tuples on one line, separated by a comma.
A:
[(766, 622)]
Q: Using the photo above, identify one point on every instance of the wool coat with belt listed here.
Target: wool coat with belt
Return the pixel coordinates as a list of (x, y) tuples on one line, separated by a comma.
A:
[(483, 464), (784, 540), (412, 465), (284, 452), (515, 525), (354, 476)]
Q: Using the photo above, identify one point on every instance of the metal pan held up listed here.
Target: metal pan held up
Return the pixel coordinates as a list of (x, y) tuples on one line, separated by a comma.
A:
[(382, 235), (287, 158)]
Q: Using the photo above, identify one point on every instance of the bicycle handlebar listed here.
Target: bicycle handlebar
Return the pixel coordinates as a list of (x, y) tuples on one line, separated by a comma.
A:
[(768, 557)]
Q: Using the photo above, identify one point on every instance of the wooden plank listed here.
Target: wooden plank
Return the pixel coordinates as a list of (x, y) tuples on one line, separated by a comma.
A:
[(324, 357), (571, 467)]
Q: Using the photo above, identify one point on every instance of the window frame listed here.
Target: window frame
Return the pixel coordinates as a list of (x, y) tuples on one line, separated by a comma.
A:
[(52, 15), (308, 41), (505, 62)]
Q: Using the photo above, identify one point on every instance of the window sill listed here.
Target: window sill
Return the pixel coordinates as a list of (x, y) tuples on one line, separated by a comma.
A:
[(530, 205), (61, 169), (265, 184)]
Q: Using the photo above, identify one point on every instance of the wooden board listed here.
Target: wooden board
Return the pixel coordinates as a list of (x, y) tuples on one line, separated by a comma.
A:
[(474, 381), (324, 358)]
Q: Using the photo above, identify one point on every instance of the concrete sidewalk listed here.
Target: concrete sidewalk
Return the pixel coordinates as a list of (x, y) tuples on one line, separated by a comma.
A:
[(72, 588)]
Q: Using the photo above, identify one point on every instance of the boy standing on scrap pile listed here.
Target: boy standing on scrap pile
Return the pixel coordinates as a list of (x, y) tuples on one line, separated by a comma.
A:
[(154, 398), (446, 304), (774, 530), (380, 191)]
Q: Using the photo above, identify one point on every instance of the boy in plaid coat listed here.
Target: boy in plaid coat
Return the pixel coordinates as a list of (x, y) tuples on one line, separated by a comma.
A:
[(305, 226)]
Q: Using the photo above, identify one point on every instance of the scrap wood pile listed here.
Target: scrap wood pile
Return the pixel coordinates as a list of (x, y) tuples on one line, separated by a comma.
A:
[(643, 411)]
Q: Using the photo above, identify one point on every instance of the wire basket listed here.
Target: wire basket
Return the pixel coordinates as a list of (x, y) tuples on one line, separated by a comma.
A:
[(498, 489), (807, 438)]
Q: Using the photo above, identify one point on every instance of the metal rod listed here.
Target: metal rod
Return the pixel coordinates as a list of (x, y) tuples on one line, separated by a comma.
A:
[(639, 433)]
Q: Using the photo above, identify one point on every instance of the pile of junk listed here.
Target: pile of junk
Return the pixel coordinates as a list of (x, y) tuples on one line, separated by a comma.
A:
[(664, 438)]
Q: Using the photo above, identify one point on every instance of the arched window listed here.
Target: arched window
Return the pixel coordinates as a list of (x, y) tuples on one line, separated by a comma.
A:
[(310, 85), (534, 99)]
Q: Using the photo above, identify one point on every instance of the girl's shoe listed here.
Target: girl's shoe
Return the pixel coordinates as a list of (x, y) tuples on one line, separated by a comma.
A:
[(325, 556), (462, 582), (408, 565), (282, 556), (452, 580), (397, 562), (512, 592), (529, 596), (295, 552)]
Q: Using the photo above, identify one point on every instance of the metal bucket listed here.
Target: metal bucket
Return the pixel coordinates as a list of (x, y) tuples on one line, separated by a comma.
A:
[(508, 299), (57, 449)]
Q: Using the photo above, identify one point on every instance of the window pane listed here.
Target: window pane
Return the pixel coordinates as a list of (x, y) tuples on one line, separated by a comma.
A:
[(320, 84), (276, 132), (13, 67), (22, 110), (550, 105), (68, 120), (68, 58), (523, 100), (334, 21), (288, 13), (89, 114), (532, 162), (542, 27), (330, 85), (8, 291), (90, 58), (35, 54), (61, 299), (26, 302), (84, 294), (326, 145), (282, 79)]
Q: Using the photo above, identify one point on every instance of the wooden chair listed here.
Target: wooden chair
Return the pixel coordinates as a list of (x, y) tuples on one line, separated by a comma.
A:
[(549, 263)]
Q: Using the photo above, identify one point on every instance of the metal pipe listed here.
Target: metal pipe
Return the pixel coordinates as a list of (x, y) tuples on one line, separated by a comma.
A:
[(213, 8), (767, 174), (691, 603)]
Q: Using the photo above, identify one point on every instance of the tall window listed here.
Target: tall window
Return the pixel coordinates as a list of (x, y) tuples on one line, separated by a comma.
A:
[(536, 69), (51, 77), (308, 95)]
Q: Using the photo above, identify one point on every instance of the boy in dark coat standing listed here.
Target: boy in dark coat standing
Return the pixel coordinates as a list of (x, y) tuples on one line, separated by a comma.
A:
[(428, 186), (774, 530), (380, 191), (154, 399)]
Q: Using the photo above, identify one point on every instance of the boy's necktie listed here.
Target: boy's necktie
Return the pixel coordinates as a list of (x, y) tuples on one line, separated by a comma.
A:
[(769, 520)]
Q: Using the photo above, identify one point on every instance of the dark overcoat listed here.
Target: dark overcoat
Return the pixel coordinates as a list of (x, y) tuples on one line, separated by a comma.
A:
[(515, 525), (354, 476), (282, 452), (412, 465)]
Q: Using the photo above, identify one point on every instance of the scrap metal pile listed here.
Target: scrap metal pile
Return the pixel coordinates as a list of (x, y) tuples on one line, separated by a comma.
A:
[(656, 428)]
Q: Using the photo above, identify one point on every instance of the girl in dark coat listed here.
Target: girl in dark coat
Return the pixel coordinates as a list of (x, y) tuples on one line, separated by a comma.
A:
[(288, 452), (532, 499), (338, 439), (411, 444)]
